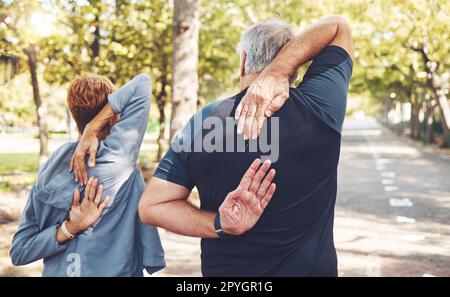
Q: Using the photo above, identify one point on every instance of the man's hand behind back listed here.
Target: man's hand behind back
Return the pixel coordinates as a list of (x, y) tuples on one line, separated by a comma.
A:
[(243, 207)]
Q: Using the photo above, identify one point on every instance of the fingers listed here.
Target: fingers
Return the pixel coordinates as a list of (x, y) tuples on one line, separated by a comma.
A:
[(259, 124), (99, 195), (93, 151), (243, 114), (248, 120), (75, 168), (80, 168), (266, 199), (258, 120), (76, 198), (265, 184), (238, 111), (249, 174), (258, 177), (71, 163), (93, 188), (103, 205), (232, 197), (87, 190), (276, 104), (253, 134)]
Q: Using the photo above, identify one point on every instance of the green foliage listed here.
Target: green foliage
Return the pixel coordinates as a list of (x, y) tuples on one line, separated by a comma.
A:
[(17, 170), (136, 36)]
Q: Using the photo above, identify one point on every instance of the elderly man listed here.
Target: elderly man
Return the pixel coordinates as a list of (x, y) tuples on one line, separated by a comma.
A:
[(294, 236)]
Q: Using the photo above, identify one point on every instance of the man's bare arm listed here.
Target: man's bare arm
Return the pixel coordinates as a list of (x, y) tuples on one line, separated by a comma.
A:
[(331, 30), (164, 204), (270, 90)]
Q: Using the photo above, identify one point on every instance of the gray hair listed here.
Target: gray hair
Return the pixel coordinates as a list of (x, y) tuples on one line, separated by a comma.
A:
[(262, 42)]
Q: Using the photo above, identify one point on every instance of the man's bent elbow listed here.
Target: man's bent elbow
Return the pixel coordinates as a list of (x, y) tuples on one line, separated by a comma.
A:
[(146, 213), (343, 36), (338, 19)]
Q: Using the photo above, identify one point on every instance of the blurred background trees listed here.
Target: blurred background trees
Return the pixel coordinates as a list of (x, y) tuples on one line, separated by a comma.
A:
[(186, 27), (401, 61)]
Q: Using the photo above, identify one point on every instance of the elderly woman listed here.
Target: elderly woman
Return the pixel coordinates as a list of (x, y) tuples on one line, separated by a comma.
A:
[(99, 236)]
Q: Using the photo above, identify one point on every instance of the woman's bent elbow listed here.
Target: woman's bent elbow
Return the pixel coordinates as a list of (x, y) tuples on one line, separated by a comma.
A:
[(16, 259), (145, 214)]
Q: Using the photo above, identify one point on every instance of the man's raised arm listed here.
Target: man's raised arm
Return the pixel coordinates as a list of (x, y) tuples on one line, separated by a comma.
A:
[(270, 90)]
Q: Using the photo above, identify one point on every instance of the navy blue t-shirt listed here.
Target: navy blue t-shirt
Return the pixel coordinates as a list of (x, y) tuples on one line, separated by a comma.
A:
[(294, 236)]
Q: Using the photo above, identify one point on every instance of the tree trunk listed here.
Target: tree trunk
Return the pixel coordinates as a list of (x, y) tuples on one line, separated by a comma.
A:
[(444, 109), (30, 52), (185, 60), (162, 130), (428, 121), (415, 123), (95, 47), (435, 85), (161, 101)]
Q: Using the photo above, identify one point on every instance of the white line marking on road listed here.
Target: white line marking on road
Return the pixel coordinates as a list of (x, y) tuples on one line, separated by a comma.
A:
[(428, 275), (383, 161), (401, 219), (413, 237), (404, 202), (387, 181), (390, 188), (380, 167), (388, 174), (373, 268)]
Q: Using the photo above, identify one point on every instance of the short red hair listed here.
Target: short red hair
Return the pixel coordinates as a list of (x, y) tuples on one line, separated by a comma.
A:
[(86, 96)]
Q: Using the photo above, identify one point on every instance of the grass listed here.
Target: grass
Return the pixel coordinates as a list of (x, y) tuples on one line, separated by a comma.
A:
[(17, 170)]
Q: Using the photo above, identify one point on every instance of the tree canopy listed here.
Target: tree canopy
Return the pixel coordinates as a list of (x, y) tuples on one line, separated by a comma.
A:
[(401, 47)]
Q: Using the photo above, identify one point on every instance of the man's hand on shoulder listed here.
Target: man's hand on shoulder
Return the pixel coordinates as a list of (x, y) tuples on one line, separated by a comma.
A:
[(265, 96), (270, 90)]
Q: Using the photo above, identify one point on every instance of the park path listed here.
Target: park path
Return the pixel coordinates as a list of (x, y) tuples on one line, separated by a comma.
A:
[(392, 212), (393, 206)]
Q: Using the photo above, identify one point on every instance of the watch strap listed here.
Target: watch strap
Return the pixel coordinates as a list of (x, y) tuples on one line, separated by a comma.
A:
[(66, 232), (218, 227)]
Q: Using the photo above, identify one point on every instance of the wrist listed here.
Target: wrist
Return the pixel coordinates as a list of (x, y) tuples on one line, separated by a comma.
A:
[(275, 71), (73, 228), (220, 231), (91, 128)]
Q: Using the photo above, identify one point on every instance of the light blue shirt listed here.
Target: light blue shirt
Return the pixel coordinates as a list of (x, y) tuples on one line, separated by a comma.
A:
[(118, 244)]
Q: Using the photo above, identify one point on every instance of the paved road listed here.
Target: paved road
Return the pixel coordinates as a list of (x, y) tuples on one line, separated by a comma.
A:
[(393, 207), (392, 213)]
